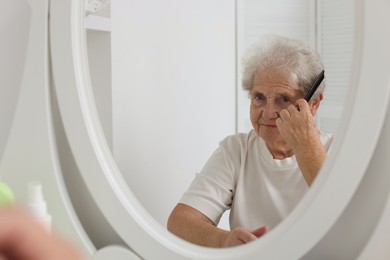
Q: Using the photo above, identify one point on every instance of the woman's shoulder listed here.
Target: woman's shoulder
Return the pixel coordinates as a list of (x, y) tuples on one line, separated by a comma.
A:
[(234, 149), (239, 140)]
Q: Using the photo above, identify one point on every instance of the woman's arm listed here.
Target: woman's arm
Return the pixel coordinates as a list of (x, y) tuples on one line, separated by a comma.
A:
[(297, 126), (310, 159), (191, 225)]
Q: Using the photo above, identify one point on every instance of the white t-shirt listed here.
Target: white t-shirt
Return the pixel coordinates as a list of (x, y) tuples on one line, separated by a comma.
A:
[(241, 175)]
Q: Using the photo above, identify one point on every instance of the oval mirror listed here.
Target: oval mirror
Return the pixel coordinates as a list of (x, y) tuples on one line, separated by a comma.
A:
[(121, 205)]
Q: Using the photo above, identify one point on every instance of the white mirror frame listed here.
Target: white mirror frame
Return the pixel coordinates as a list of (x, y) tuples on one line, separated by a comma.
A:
[(307, 227)]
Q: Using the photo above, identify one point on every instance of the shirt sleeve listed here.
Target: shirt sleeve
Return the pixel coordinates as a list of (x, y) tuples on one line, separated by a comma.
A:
[(211, 192)]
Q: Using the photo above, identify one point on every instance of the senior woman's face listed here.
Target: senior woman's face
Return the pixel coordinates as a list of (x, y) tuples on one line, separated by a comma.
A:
[(271, 93)]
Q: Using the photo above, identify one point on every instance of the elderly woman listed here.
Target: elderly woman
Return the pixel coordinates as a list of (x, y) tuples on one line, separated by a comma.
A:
[(261, 175)]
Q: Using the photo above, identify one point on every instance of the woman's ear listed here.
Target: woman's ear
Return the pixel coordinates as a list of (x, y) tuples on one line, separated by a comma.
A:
[(315, 104)]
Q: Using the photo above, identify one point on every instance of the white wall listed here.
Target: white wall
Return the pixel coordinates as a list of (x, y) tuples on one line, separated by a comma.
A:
[(336, 43), (295, 19), (14, 29), (173, 71)]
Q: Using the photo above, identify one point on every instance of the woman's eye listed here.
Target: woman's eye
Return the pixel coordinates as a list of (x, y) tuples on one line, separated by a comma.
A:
[(259, 97), (285, 100)]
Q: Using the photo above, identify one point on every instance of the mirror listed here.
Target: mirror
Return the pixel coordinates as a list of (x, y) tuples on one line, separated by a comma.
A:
[(13, 48), (129, 218), (176, 89)]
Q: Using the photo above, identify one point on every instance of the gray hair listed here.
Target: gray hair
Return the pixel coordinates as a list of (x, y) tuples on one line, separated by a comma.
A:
[(291, 57)]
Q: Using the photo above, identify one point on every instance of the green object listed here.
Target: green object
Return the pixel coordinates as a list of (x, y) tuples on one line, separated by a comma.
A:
[(6, 195)]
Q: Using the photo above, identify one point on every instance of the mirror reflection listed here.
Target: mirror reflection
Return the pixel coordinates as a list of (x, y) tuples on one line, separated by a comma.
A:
[(176, 93), (263, 174)]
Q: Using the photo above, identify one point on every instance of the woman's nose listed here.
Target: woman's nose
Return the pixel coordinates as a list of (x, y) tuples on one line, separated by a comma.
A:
[(270, 112)]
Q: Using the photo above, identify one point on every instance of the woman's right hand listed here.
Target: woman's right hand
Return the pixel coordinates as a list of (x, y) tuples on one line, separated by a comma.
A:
[(240, 236)]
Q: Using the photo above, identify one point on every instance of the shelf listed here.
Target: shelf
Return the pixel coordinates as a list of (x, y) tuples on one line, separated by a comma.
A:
[(98, 23)]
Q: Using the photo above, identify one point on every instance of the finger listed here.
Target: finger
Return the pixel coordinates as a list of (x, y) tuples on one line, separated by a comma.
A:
[(279, 122), (260, 231), (302, 105), (284, 114), (292, 109), (246, 237)]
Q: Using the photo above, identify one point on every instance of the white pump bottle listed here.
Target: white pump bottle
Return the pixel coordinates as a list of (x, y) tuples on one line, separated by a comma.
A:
[(37, 206)]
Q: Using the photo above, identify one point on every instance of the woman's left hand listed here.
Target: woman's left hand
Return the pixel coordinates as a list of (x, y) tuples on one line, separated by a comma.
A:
[(297, 126)]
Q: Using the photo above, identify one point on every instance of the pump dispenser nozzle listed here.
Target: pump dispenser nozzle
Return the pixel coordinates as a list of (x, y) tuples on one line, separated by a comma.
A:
[(37, 205)]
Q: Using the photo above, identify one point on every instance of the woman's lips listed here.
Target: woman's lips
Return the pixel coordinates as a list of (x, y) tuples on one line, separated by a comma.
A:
[(268, 125)]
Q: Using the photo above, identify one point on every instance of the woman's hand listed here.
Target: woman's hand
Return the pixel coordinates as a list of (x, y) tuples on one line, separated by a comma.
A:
[(297, 126), (240, 236), (21, 238)]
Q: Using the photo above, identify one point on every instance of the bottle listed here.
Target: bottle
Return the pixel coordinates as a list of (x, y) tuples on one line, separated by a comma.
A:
[(37, 206), (7, 197)]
